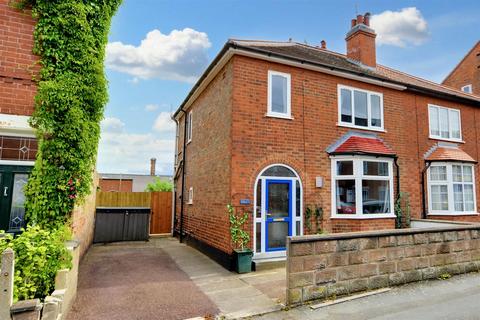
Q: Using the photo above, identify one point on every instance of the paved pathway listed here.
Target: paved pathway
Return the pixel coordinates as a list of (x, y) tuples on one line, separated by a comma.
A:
[(456, 298), (136, 282)]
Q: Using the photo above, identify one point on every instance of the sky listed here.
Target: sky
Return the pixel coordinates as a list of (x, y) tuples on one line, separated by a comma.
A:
[(157, 49)]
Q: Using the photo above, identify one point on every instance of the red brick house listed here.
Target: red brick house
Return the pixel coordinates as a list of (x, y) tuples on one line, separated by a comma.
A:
[(18, 145), (274, 128), (466, 75)]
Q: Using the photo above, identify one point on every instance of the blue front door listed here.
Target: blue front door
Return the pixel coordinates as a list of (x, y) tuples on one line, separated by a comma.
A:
[(278, 211)]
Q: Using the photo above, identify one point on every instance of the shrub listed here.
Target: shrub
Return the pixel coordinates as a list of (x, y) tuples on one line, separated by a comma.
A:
[(39, 254), (240, 237), (159, 185)]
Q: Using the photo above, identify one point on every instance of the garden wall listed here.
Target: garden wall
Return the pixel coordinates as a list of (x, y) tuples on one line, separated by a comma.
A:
[(338, 264)]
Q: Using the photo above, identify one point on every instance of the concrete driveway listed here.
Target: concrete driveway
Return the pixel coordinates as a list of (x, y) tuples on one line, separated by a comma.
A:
[(136, 282)]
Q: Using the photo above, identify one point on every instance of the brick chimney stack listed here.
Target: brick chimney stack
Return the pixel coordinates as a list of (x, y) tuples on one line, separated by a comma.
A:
[(153, 162), (361, 41)]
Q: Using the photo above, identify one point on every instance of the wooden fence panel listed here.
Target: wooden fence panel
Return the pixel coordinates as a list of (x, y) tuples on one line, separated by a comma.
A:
[(161, 219), (123, 199)]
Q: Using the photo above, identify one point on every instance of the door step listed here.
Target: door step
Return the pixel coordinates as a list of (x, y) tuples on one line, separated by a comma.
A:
[(268, 264)]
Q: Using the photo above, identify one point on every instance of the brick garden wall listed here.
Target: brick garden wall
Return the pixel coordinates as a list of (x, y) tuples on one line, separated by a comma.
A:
[(116, 185), (324, 266)]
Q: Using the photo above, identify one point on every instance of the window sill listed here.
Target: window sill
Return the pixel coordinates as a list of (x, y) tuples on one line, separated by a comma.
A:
[(363, 216), (453, 214), (346, 125), (279, 116), (447, 140)]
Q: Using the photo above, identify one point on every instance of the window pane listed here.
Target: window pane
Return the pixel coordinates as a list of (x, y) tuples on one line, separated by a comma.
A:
[(344, 168), (278, 171), (468, 196), (458, 197), (376, 117), (443, 119), (373, 168), (438, 173), (277, 234), (299, 198), (376, 196), (278, 200), (258, 237), (361, 115), (297, 228), (457, 173), (279, 94), (345, 191), (434, 126), (17, 210), (439, 197), (258, 206), (467, 174), (455, 124), (346, 105)]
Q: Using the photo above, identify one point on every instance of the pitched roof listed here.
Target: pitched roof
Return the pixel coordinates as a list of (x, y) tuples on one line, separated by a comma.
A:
[(449, 154), (328, 58), (476, 45), (355, 144)]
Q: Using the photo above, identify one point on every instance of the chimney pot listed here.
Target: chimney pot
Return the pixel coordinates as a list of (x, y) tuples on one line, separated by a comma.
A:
[(366, 19), (359, 19), (153, 162), (323, 44), (354, 22)]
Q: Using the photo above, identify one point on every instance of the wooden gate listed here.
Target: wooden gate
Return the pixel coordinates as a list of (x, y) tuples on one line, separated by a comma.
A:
[(161, 205)]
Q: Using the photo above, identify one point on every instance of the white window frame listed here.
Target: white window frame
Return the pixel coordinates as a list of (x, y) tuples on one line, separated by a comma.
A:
[(352, 124), (467, 88), (189, 123), (190, 195), (449, 182), (439, 137), (270, 113), (358, 176)]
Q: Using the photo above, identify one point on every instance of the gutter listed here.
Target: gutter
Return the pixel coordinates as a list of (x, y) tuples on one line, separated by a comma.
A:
[(182, 196)]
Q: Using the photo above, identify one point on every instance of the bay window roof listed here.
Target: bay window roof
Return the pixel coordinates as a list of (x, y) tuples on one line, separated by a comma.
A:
[(441, 153), (361, 144)]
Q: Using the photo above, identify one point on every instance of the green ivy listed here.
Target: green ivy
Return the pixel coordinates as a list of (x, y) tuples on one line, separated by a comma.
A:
[(240, 237), (39, 254), (70, 38)]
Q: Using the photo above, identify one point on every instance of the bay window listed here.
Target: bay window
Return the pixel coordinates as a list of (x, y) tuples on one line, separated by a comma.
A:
[(451, 188), (444, 123), (360, 108), (362, 187)]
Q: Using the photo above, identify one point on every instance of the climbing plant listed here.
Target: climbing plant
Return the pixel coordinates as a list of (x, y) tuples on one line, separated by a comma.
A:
[(70, 38)]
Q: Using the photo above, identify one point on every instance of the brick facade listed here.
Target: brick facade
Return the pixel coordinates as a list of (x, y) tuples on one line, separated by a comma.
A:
[(467, 71), (234, 140), (115, 185)]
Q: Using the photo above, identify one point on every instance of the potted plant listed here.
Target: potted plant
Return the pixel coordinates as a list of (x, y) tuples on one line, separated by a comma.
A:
[(240, 239)]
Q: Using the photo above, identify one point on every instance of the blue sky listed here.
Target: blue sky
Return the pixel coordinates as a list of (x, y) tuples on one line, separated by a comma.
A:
[(158, 48)]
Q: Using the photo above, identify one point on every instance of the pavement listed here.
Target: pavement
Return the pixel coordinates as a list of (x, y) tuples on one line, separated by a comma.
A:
[(452, 299), (163, 279)]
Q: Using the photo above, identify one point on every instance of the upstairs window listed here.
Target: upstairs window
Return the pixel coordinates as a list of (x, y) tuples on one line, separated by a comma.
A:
[(444, 123), (279, 95), (360, 108), (189, 127), (467, 88)]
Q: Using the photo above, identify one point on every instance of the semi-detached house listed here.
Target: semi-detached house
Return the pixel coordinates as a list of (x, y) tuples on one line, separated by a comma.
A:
[(276, 128)]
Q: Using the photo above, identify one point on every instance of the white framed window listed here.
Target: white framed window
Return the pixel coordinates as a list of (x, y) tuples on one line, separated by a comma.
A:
[(362, 187), (360, 108), (467, 88), (190, 195), (451, 189), (444, 123), (279, 95), (189, 125)]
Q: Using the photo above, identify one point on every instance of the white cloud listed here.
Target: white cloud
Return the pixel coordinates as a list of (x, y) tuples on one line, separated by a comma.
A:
[(400, 28), (164, 123), (151, 107), (180, 55), (124, 152)]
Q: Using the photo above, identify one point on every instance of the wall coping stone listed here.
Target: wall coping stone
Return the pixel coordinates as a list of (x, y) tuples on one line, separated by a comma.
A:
[(26, 305), (380, 233)]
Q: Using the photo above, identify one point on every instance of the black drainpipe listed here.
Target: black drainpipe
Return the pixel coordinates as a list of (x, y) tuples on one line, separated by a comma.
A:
[(183, 173), (395, 160), (424, 201)]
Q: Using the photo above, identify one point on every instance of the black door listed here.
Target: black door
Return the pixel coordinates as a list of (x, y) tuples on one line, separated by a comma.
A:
[(12, 181)]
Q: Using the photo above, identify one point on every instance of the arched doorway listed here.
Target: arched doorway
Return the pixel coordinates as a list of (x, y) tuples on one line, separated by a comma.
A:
[(278, 210)]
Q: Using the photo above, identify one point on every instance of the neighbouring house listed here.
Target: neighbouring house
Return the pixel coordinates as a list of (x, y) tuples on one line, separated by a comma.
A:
[(466, 75), (276, 128), (119, 182), (18, 145)]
